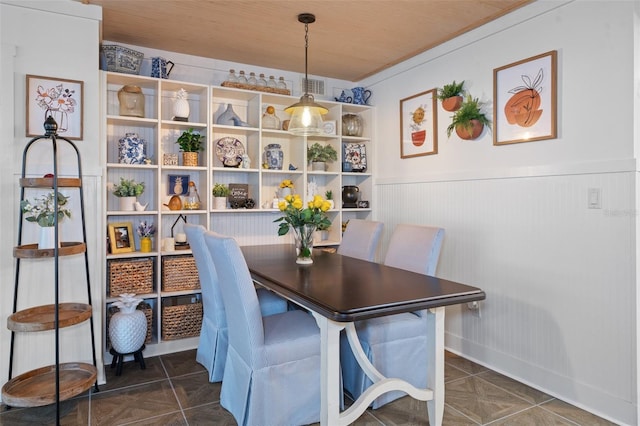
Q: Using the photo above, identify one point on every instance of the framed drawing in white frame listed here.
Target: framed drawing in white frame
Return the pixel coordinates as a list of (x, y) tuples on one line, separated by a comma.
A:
[(56, 97), (524, 100), (419, 125)]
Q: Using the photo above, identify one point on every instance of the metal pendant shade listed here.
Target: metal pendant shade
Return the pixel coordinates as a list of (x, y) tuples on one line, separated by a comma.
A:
[(306, 115)]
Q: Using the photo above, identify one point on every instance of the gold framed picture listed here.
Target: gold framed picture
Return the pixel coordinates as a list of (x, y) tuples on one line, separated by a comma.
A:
[(524, 100), (121, 237), (419, 125)]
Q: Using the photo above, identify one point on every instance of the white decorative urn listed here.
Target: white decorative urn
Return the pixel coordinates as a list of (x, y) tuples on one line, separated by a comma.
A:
[(181, 106), (128, 327)]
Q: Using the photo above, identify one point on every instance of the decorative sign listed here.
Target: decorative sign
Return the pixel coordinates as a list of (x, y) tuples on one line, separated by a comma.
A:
[(238, 194), (170, 159)]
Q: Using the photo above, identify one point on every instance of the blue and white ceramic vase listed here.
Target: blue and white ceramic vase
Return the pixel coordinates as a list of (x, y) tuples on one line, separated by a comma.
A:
[(273, 156), (131, 149)]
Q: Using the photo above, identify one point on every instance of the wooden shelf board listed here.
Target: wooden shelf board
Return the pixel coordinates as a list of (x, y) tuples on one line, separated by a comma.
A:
[(32, 251), (48, 182), (36, 388), (39, 318)]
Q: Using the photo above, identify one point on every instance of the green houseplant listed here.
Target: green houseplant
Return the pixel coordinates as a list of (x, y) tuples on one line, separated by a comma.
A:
[(318, 155), (220, 193), (469, 120), (191, 143), (451, 95), (128, 188)]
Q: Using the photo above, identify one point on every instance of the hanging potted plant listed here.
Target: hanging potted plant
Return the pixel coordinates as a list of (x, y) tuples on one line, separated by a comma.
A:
[(220, 193), (469, 120), (128, 190), (319, 155), (191, 143), (451, 96)]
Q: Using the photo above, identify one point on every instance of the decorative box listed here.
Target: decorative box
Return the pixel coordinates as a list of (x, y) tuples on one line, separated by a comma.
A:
[(169, 159), (122, 59)]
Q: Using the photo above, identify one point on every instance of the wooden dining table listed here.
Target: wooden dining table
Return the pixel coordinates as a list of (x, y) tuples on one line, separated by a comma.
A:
[(340, 290)]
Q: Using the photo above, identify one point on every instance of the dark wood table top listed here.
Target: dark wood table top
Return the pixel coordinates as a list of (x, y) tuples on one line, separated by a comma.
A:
[(346, 289)]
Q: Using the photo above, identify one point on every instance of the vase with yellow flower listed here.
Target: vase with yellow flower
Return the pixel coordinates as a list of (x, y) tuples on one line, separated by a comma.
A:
[(286, 188), (304, 221)]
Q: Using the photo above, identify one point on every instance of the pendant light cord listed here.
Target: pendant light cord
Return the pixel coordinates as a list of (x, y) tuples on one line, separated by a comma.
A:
[(306, 48)]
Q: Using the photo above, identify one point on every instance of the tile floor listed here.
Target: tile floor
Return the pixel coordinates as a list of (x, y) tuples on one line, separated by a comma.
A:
[(174, 390)]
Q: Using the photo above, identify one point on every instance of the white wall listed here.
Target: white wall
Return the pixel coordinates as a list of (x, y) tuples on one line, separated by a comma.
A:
[(42, 38), (560, 279)]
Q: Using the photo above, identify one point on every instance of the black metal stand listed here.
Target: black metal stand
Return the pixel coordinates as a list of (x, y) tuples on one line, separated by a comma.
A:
[(118, 358)]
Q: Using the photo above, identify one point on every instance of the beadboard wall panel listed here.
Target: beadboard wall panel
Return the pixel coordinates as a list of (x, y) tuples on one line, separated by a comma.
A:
[(559, 277)]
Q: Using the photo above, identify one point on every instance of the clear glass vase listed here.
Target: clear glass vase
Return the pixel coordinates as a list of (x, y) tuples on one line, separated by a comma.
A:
[(304, 243)]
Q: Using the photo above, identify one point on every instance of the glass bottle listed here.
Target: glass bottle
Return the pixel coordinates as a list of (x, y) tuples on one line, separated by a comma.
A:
[(271, 82), (232, 77), (192, 201), (281, 83), (242, 79), (261, 81), (252, 81)]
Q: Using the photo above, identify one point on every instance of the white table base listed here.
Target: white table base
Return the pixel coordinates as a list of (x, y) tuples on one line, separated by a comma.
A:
[(330, 376)]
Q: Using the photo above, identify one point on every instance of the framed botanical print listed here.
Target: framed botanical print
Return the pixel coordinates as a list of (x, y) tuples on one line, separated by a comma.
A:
[(524, 100), (418, 125), (56, 97)]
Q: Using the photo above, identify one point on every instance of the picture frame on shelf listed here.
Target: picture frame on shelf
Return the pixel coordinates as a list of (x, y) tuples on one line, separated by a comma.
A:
[(525, 100), (61, 98), (329, 127), (354, 157), (121, 237), (419, 125), (178, 184)]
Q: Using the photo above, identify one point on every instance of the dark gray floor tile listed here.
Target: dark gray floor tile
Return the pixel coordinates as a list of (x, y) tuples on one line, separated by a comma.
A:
[(525, 392), (132, 374), (134, 403), (481, 401), (575, 414), (172, 419), (209, 414), (534, 416), (180, 363), (463, 364), (72, 412), (452, 373), (194, 389)]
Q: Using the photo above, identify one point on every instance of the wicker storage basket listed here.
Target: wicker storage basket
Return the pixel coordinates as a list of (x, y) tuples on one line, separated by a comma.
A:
[(179, 273), (130, 276), (142, 306), (181, 317)]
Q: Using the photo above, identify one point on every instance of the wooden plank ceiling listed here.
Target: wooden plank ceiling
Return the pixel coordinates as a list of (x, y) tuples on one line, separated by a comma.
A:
[(350, 40)]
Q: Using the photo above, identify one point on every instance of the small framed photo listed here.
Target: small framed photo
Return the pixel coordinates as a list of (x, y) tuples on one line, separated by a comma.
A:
[(56, 97), (524, 100), (121, 237), (329, 127), (178, 184), (419, 125)]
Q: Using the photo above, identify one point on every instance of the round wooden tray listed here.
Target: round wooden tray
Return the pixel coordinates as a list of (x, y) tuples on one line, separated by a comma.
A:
[(36, 388), (39, 318), (31, 251)]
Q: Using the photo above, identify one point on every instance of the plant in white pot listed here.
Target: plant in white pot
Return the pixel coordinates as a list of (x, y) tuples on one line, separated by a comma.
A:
[(220, 193), (128, 191), (319, 155), (329, 196), (42, 212)]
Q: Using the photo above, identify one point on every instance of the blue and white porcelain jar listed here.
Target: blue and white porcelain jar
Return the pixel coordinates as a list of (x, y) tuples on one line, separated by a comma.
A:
[(131, 149), (273, 156)]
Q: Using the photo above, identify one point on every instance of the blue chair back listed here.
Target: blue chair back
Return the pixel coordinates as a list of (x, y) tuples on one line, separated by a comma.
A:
[(360, 240), (415, 248)]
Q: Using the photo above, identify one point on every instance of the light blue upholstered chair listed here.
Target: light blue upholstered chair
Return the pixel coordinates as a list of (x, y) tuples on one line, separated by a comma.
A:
[(272, 376), (360, 240), (396, 344), (212, 347)]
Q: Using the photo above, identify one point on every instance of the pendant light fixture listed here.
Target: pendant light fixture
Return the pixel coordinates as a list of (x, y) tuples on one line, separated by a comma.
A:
[(306, 115)]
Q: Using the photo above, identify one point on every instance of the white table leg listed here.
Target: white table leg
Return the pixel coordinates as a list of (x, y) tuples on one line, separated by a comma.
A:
[(330, 370), (435, 364)]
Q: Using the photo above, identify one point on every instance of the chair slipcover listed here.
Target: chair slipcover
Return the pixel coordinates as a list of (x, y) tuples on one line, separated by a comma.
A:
[(396, 344), (212, 347), (360, 240), (272, 375)]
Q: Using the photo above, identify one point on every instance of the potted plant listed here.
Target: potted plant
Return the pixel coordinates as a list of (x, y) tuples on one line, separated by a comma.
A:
[(322, 232), (191, 143), (469, 120), (318, 155), (329, 196), (220, 193), (451, 96), (42, 212), (128, 190)]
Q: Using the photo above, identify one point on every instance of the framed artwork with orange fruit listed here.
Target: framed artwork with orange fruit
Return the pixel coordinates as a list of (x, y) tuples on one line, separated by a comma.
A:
[(524, 100), (418, 125)]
